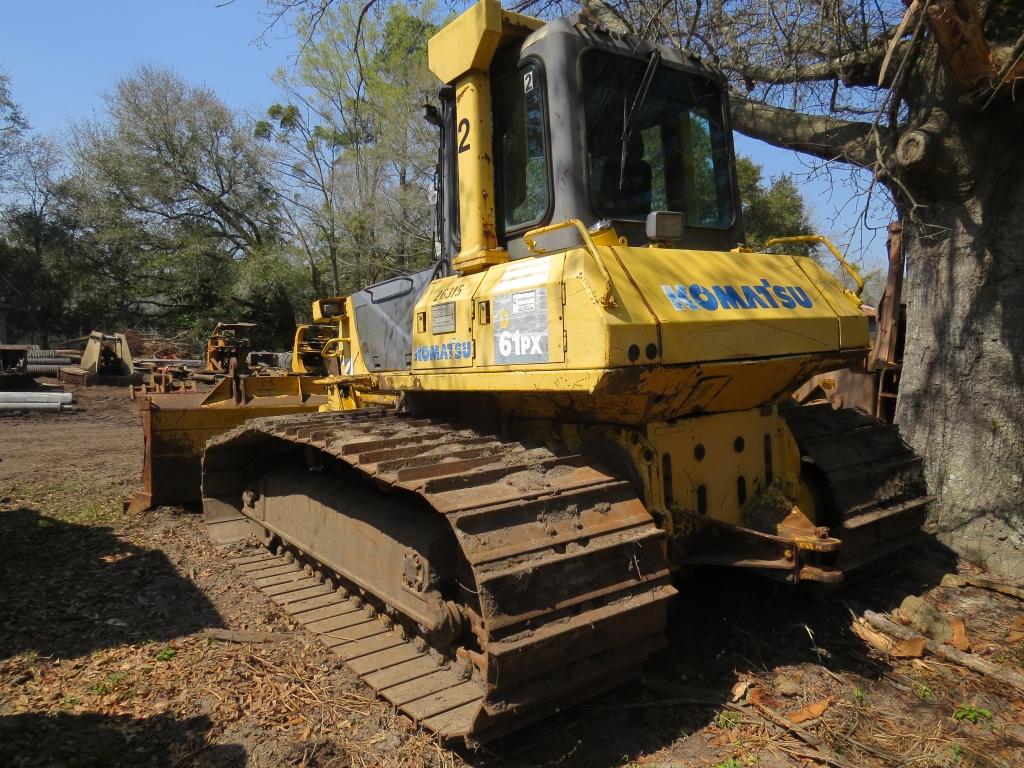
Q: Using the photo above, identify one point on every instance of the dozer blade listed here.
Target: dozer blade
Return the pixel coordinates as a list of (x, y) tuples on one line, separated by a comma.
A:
[(175, 428), (874, 481), (474, 582)]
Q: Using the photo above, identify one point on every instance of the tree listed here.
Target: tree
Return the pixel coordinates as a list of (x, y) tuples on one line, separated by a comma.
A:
[(173, 191), (356, 158), (775, 210), (176, 157), (12, 126)]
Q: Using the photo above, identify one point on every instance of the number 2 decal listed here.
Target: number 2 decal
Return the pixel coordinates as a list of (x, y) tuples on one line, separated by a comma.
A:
[(463, 132)]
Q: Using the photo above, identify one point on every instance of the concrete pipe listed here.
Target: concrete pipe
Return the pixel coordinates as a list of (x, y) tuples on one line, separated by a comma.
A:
[(58, 407), (35, 397)]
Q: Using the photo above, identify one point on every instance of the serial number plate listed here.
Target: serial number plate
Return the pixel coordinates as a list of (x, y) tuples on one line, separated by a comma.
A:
[(442, 317)]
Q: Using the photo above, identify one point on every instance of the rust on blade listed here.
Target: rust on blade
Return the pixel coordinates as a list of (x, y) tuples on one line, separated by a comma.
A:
[(176, 427)]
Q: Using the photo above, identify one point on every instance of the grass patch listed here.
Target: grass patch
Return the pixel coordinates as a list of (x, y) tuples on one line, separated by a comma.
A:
[(108, 684), (727, 719), (971, 714)]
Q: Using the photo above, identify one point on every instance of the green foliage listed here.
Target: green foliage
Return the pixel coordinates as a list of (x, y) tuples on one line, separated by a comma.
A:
[(166, 218), (971, 713), (734, 762), (874, 286), (923, 692), (166, 654), (773, 210), (108, 684), (726, 719)]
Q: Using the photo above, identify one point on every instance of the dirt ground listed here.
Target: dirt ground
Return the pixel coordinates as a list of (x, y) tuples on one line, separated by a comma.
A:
[(106, 656)]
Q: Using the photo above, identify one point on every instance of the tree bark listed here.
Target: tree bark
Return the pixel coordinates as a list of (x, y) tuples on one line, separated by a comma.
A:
[(961, 400)]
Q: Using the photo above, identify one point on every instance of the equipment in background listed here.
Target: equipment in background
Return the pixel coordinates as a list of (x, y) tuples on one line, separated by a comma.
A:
[(19, 363), (106, 360), (269, 363), (227, 347), (307, 349), (171, 377), (872, 383), (13, 364)]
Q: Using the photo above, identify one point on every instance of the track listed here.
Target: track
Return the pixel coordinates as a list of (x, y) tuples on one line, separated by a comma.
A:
[(874, 480), (562, 579)]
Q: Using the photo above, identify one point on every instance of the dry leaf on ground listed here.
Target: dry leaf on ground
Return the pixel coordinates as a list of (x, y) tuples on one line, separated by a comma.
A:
[(810, 712)]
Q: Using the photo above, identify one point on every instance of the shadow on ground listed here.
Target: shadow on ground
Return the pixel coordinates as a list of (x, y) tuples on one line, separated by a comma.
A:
[(724, 624), (71, 589), (98, 741)]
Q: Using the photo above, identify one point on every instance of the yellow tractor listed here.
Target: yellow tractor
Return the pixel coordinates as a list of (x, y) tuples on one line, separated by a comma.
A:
[(226, 348), (586, 395), (307, 349)]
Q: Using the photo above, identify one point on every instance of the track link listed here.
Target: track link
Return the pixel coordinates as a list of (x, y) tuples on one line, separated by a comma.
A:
[(571, 581)]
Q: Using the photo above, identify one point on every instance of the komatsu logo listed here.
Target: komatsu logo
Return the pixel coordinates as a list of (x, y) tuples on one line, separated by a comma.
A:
[(763, 295), (454, 350)]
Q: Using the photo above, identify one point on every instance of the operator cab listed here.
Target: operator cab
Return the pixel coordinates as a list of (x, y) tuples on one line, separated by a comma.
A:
[(606, 128)]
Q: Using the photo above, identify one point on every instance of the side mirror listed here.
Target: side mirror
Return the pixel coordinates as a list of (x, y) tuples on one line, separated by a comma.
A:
[(664, 225), (431, 114)]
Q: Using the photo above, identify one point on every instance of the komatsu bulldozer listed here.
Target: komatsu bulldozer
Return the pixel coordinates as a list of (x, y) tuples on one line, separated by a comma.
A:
[(586, 395)]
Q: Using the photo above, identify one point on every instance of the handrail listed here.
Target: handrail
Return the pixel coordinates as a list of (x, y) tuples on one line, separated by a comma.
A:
[(338, 341), (798, 239), (529, 238)]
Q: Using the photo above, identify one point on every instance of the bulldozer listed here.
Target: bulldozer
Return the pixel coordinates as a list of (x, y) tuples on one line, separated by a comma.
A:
[(587, 395)]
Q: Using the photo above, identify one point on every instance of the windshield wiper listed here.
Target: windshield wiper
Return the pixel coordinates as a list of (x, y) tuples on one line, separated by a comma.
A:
[(629, 117)]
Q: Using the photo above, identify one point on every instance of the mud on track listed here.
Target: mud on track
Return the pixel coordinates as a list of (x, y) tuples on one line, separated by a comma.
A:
[(109, 650)]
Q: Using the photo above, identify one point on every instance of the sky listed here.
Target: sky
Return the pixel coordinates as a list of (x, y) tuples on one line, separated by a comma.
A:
[(62, 55)]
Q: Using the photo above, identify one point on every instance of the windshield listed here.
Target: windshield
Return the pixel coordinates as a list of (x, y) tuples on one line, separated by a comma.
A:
[(676, 156)]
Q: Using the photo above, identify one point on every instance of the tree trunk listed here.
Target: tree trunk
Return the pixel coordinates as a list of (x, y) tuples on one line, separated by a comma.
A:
[(961, 401)]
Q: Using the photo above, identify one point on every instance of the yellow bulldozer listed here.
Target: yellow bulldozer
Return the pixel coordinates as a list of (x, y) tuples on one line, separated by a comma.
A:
[(588, 393)]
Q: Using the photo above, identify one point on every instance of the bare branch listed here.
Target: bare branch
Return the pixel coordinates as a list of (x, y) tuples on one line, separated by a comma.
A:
[(825, 137), (857, 68)]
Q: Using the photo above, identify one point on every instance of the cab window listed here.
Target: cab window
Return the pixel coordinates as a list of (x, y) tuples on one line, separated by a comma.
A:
[(520, 120), (676, 155)]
